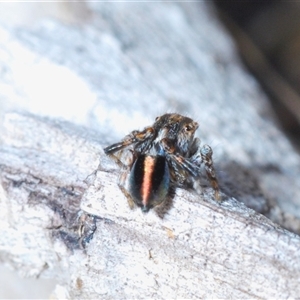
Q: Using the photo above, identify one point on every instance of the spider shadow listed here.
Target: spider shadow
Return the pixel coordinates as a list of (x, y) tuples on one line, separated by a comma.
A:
[(242, 183), (237, 181)]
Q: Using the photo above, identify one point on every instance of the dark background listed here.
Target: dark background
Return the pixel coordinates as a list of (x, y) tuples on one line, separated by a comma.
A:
[(267, 34)]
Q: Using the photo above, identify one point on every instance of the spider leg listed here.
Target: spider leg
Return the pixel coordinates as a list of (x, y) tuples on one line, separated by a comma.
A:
[(192, 165), (206, 155), (130, 139), (139, 140), (121, 184), (178, 161), (185, 164)]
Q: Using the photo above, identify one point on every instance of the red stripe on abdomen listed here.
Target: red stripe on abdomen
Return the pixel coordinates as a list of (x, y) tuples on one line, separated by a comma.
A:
[(149, 165)]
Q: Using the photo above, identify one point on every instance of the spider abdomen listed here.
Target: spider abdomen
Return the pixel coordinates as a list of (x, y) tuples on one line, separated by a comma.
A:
[(149, 181)]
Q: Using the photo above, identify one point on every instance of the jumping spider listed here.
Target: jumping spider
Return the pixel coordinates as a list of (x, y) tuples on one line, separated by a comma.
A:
[(160, 158)]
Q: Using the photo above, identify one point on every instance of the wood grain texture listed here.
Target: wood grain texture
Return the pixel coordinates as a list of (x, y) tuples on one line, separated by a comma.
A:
[(198, 249), (62, 214)]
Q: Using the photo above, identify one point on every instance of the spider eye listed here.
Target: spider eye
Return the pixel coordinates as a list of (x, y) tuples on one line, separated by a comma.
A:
[(188, 128)]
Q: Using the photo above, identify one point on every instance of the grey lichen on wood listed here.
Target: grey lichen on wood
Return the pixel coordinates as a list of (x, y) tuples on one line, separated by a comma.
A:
[(62, 214)]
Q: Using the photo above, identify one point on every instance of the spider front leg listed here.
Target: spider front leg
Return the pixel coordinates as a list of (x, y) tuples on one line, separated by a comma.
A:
[(183, 167), (206, 156), (137, 140), (191, 166)]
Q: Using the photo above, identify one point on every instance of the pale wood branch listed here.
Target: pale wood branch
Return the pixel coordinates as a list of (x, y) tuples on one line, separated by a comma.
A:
[(198, 249), (62, 214)]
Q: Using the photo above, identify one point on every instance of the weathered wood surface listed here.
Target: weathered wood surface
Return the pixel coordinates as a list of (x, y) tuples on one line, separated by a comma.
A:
[(198, 249), (127, 58)]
